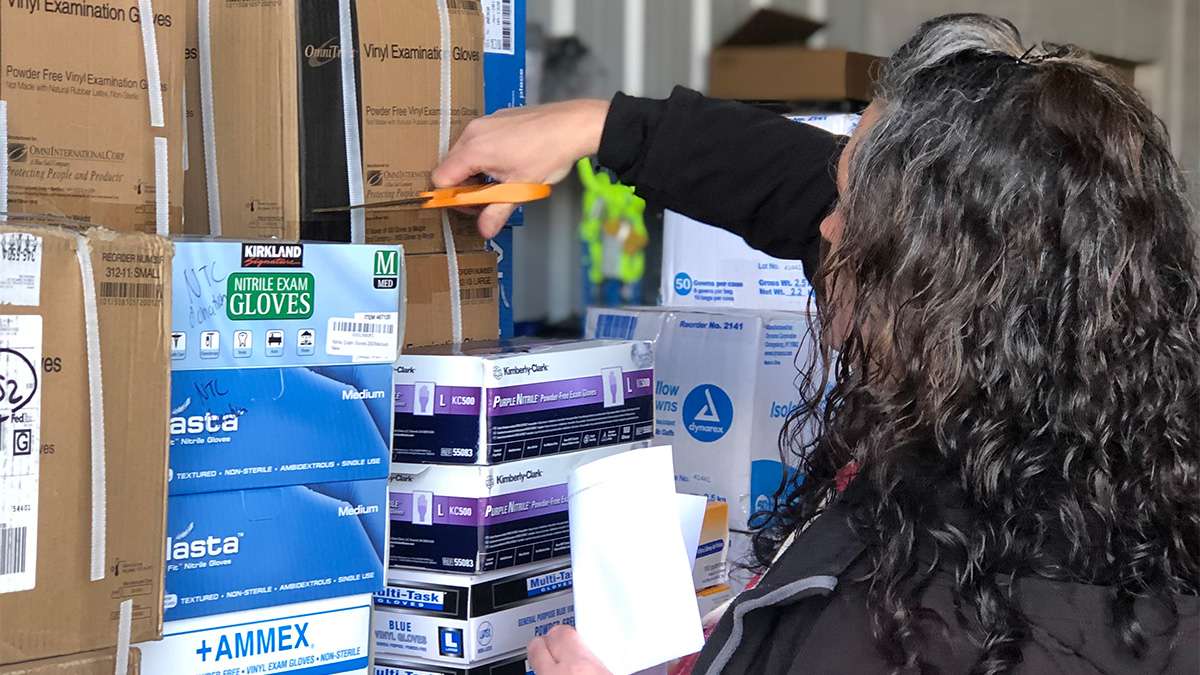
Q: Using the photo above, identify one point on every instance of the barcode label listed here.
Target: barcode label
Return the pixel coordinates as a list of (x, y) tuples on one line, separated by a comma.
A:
[(21, 273), (478, 293), (362, 327), (365, 337), (128, 290), (12, 549), (616, 326), (498, 19), (20, 449)]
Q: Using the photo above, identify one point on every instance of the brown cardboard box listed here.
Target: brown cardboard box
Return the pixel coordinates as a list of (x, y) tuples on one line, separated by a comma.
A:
[(48, 604), (89, 663), (766, 60), (80, 140), (427, 314), (279, 128)]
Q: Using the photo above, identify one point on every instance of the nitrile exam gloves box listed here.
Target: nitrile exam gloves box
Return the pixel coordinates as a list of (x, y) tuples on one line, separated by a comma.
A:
[(281, 355), (725, 382), (458, 619), (491, 403)]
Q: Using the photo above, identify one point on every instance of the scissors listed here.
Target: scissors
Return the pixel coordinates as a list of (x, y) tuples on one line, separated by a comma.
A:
[(463, 195)]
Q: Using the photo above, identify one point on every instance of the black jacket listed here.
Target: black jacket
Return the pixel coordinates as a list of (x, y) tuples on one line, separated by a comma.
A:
[(771, 181)]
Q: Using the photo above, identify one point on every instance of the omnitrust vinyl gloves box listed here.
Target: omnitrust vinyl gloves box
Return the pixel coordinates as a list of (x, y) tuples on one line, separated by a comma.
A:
[(282, 355), (497, 402), (482, 518), (462, 620), (725, 382)]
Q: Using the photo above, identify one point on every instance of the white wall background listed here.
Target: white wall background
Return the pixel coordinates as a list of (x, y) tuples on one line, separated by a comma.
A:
[(648, 46)]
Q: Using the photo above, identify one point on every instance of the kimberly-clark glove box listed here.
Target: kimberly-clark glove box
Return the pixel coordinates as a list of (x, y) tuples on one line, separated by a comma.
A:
[(462, 620), (246, 549), (481, 518), (240, 304), (498, 402), (725, 382), (321, 636)]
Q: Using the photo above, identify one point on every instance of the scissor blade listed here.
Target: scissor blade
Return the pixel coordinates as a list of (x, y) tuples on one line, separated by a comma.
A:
[(413, 201)]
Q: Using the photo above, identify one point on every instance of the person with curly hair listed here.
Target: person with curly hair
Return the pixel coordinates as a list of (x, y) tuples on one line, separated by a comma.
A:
[(1008, 277)]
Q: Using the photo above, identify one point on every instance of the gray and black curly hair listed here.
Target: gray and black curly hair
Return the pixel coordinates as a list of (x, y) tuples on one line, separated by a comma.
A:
[(1024, 343)]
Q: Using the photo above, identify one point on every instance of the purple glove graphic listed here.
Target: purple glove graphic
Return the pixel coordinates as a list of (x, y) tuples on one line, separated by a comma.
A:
[(612, 386), (422, 507), (423, 397)]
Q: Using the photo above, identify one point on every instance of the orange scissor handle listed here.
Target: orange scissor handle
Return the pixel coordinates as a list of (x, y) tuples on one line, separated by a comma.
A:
[(488, 193)]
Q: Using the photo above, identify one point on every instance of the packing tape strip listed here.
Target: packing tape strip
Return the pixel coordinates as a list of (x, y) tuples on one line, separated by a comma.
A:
[(83, 251), (4, 161), (153, 76), (456, 330), (124, 633), (354, 174), (162, 192), (207, 122)]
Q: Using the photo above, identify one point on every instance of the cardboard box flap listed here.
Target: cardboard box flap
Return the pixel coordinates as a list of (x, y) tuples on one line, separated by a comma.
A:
[(88, 663), (772, 27)]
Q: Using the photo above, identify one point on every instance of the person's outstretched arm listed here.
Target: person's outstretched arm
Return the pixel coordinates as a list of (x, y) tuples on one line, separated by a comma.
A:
[(748, 170)]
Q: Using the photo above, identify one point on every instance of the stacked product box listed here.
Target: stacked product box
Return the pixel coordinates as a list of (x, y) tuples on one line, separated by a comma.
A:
[(725, 383), (280, 429), (484, 441)]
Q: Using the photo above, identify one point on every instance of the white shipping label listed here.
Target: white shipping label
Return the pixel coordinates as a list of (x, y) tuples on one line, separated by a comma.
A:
[(20, 449), (498, 26), (20, 269), (364, 336)]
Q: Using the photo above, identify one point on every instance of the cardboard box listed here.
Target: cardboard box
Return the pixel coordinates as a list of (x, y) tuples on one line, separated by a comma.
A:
[(748, 64), (516, 664), (482, 518), (248, 549), (102, 662), (462, 620), (49, 606), (710, 569), (709, 268), (321, 636), (428, 299), (278, 132), (499, 402), (81, 143), (237, 429), (725, 382), (271, 304)]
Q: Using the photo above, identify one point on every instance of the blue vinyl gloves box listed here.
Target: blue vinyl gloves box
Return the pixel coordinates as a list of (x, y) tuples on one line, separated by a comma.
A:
[(245, 549)]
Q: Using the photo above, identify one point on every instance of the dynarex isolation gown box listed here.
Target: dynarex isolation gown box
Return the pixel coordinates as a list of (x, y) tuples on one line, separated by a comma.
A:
[(498, 402), (482, 518), (461, 620), (245, 549), (282, 356), (321, 636), (725, 383)]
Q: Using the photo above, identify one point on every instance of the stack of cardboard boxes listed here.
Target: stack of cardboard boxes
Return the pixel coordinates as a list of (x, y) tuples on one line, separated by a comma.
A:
[(280, 435), (483, 443)]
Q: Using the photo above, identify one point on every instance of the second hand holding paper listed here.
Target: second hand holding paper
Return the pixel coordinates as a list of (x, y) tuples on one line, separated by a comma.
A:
[(635, 606)]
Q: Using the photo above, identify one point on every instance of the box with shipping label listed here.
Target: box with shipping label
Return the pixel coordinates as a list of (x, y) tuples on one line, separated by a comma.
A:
[(427, 303), (82, 143), (499, 402), (102, 662), (319, 636), (81, 524), (746, 65), (270, 91), (725, 383), (237, 429), (482, 518), (709, 569), (270, 304), (515, 664), (246, 549), (457, 619)]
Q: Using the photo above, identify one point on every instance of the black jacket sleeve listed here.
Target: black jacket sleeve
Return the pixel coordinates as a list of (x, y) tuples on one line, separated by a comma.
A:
[(750, 171)]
